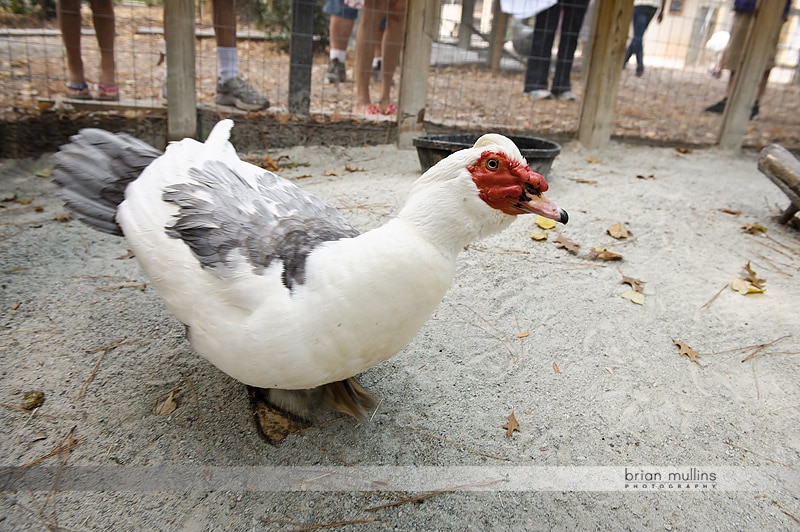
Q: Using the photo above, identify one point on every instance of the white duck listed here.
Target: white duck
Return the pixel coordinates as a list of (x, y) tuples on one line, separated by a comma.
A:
[(274, 286)]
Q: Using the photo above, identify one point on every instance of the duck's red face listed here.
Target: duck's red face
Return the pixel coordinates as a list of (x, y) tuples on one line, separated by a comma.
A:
[(512, 187)]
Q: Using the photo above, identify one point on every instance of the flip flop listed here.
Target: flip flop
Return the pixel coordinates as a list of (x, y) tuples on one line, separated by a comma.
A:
[(78, 91), (372, 110), (391, 109), (108, 93)]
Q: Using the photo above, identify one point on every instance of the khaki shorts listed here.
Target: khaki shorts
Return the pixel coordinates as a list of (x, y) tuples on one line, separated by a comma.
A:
[(739, 29)]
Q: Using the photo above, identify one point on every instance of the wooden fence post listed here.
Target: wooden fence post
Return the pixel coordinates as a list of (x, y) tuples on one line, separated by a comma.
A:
[(609, 35), (761, 40), (421, 19), (180, 39), (301, 49)]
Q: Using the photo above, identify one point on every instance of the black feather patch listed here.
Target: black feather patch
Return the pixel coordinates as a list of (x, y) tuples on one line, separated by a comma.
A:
[(271, 219)]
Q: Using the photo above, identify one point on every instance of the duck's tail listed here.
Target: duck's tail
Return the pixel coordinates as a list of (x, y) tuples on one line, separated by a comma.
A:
[(93, 171)]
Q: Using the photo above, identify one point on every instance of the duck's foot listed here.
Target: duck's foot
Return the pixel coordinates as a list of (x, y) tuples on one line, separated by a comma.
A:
[(279, 413), (274, 424)]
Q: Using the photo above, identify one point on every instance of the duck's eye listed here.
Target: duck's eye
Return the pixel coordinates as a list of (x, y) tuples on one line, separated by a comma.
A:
[(492, 164)]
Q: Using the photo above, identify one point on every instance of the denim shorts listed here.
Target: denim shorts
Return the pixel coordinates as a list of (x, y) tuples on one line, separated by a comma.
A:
[(337, 7)]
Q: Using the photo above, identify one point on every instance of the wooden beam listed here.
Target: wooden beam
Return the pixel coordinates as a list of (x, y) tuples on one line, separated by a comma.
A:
[(783, 169), (465, 27), (498, 36), (761, 41), (417, 42), (181, 102), (608, 39), (301, 50)]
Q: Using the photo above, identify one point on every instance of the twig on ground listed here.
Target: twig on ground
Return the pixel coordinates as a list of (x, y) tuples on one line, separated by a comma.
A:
[(90, 378), (714, 298), (755, 453), (760, 348), (141, 286), (420, 498), (465, 447), (318, 526)]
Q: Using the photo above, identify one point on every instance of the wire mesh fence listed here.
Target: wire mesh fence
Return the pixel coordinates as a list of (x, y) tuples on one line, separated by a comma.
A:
[(664, 104)]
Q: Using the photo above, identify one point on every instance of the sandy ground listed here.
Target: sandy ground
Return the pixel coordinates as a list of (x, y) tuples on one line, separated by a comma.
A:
[(597, 385)]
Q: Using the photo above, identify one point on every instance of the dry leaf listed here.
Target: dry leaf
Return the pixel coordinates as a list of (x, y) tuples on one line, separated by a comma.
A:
[(584, 181), (592, 160), (641, 176), (349, 168), (523, 334), (556, 368), (634, 297), (752, 277), (618, 231), (544, 223), (63, 217), (635, 284), (512, 425), (604, 254), (734, 212), (46, 172), (330, 173), (539, 235), (745, 287), (687, 351), (565, 243), (38, 436), (683, 149), (754, 229), (750, 283), (167, 406)]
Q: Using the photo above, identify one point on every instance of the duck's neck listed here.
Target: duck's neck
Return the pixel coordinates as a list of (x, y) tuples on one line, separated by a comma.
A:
[(449, 221)]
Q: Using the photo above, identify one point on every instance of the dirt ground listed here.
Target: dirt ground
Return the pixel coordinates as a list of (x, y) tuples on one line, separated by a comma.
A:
[(596, 383)]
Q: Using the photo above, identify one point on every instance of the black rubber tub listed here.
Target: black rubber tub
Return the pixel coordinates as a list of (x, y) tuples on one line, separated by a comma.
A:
[(539, 153)]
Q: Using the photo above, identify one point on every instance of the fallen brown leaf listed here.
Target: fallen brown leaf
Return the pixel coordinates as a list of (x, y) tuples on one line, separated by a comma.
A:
[(63, 217), (563, 242), (687, 351), (754, 229), (683, 149), (167, 406), (556, 368), (604, 254), (512, 425), (734, 212), (635, 284), (641, 176), (618, 231), (523, 334)]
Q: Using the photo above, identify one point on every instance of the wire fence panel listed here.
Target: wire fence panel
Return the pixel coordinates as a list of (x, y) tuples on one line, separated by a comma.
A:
[(664, 104)]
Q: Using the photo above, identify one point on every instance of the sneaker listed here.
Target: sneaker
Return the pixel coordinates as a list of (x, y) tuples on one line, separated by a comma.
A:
[(718, 107), (754, 111), (336, 72), (376, 72), (237, 92), (567, 96), (540, 94)]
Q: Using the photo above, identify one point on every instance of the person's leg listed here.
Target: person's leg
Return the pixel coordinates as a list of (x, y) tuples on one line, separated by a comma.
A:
[(340, 26), (544, 32), (231, 89), (368, 33), (642, 15), (392, 46), (574, 11), (69, 21), (105, 28)]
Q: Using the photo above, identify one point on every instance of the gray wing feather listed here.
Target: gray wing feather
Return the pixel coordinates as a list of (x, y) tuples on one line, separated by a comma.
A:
[(93, 171), (272, 219)]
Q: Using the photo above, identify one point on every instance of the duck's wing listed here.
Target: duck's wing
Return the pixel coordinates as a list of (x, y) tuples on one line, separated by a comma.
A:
[(233, 212)]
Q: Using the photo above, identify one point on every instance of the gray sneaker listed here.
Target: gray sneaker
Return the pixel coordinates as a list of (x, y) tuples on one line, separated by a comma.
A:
[(336, 73), (236, 92)]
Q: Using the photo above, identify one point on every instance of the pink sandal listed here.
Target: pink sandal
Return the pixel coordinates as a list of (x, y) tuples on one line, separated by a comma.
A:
[(372, 110), (108, 93), (391, 109)]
